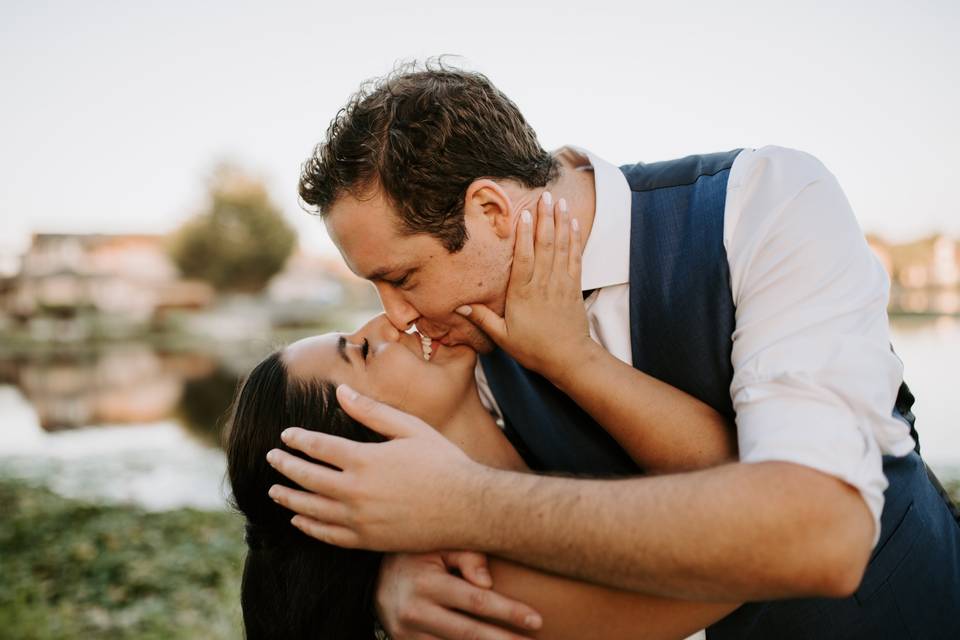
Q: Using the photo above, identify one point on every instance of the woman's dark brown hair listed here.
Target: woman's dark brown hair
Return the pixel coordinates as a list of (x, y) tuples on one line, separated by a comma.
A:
[(421, 136), (293, 586)]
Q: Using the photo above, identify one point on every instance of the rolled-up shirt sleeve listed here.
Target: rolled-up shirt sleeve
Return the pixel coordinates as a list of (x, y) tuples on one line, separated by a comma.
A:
[(815, 379)]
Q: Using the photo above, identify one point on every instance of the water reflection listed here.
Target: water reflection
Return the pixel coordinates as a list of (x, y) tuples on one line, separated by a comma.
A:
[(128, 423), (135, 423), (204, 404), (128, 384)]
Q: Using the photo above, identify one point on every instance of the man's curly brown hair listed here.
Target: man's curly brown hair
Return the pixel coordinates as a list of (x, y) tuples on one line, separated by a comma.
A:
[(421, 135)]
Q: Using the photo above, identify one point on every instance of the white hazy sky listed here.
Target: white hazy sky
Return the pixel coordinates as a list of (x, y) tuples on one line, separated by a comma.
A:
[(113, 113)]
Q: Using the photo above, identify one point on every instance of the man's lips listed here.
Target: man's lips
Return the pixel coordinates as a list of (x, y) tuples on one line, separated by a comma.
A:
[(444, 339), (452, 337)]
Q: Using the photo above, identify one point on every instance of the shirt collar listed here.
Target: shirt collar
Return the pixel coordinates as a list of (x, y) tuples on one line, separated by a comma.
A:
[(606, 256)]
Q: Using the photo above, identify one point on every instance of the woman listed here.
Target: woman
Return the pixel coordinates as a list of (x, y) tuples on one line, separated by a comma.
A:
[(296, 587)]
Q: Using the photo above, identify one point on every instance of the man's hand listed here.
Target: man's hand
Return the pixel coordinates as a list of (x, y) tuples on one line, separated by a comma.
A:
[(406, 494), (417, 597), (544, 326)]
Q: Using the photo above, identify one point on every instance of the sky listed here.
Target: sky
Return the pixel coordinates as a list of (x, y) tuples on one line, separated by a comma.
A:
[(113, 114)]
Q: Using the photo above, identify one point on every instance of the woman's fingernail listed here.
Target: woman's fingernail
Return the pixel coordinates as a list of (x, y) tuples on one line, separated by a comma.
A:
[(274, 492), (563, 204), (547, 198), (285, 435), (575, 224), (526, 217), (272, 456), (465, 310), (484, 576), (533, 621), (348, 392)]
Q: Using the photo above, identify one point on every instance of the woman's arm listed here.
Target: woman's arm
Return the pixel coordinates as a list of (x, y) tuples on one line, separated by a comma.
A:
[(573, 609), (664, 429), (545, 329)]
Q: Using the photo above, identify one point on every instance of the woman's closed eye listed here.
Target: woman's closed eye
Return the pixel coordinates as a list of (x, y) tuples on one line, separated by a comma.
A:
[(365, 348)]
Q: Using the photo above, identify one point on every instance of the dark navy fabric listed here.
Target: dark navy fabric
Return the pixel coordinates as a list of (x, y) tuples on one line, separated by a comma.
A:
[(911, 588), (681, 307), (681, 321), (568, 441)]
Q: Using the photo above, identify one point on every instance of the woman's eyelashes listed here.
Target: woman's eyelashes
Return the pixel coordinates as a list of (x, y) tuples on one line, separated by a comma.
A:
[(365, 348)]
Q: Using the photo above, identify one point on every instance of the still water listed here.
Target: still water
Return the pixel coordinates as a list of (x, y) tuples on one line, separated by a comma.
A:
[(930, 350), (126, 424), (134, 424)]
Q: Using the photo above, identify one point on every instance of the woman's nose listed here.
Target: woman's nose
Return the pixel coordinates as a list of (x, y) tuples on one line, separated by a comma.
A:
[(378, 329), (389, 332)]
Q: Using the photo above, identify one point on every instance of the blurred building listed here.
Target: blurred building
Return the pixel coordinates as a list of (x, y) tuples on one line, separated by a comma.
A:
[(310, 285), (924, 273), (123, 276), (307, 279)]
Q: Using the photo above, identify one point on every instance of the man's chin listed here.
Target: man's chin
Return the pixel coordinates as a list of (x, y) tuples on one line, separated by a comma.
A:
[(475, 340), (483, 347)]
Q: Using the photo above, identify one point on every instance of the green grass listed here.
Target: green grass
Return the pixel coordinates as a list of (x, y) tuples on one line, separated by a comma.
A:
[(69, 569)]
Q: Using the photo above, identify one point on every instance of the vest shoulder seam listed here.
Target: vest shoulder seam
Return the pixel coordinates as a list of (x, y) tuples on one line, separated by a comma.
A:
[(682, 184)]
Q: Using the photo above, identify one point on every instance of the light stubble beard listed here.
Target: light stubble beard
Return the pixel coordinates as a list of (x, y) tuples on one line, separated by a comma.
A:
[(475, 338)]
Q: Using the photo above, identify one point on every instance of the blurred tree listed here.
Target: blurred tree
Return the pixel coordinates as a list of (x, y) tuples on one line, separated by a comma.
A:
[(240, 241)]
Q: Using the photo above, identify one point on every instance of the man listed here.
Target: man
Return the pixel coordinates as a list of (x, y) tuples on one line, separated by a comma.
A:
[(740, 278)]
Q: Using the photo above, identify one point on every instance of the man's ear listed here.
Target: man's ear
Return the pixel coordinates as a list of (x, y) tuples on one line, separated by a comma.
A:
[(487, 202)]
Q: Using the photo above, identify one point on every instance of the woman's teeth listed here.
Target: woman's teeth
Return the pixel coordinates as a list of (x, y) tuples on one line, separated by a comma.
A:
[(427, 345)]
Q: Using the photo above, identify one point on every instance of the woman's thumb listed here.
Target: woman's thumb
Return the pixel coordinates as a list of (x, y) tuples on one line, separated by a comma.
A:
[(471, 565), (485, 319)]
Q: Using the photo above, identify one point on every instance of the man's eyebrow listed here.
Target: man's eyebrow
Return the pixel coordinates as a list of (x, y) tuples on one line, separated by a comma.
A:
[(342, 349), (381, 274)]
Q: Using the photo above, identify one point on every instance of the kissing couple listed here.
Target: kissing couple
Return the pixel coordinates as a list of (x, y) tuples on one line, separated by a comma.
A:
[(644, 401)]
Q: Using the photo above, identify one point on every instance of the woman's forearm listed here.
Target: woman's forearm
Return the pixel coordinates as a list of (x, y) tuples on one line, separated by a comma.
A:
[(661, 427), (574, 610)]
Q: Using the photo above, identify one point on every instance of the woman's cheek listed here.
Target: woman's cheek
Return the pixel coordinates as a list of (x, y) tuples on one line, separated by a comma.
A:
[(391, 375)]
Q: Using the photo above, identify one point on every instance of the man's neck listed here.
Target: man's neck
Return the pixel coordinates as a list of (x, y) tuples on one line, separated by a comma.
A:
[(578, 188), (575, 186)]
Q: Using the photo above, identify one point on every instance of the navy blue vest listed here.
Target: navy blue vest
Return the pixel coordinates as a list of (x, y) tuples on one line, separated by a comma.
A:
[(681, 323)]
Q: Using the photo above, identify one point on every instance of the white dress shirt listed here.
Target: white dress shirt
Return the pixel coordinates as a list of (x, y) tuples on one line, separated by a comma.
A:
[(814, 378)]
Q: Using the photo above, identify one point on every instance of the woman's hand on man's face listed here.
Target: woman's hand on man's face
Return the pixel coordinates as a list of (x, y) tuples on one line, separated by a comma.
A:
[(544, 326)]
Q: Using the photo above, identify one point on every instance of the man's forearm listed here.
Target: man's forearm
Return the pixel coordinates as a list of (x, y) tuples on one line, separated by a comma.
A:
[(735, 532), (740, 531)]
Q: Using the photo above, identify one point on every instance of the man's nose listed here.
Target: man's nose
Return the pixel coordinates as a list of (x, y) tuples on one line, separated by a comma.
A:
[(400, 312)]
